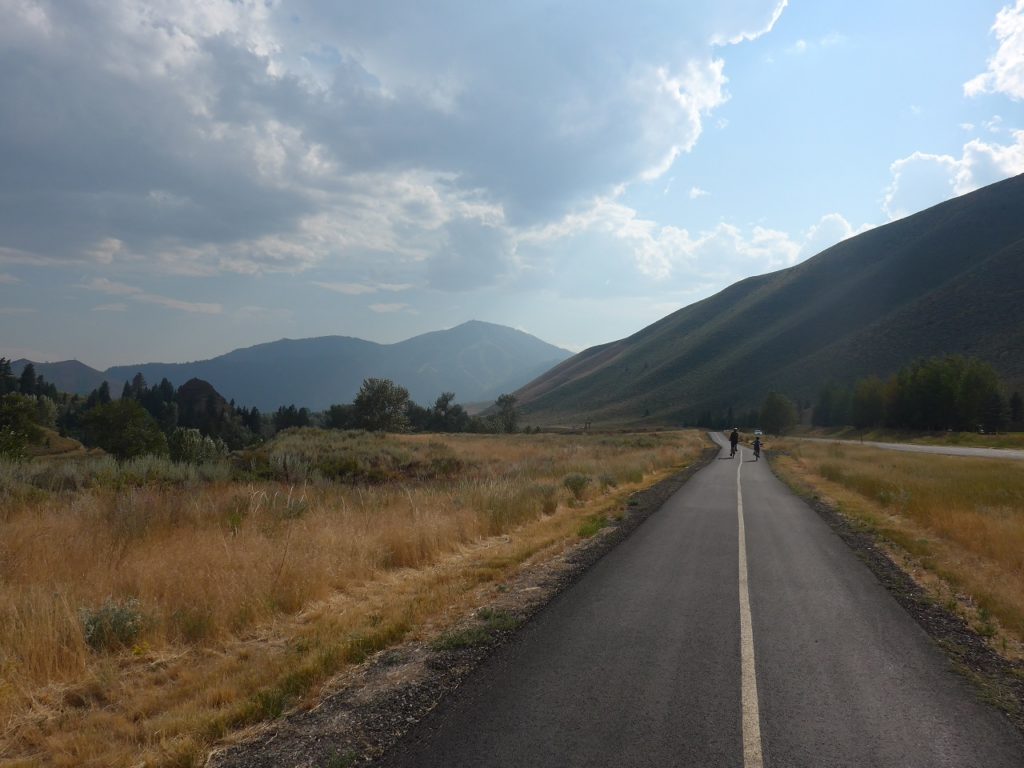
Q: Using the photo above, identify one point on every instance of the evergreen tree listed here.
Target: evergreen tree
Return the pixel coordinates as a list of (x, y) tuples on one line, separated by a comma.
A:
[(8, 381), (1016, 408), (993, 412), (340, 417), (290, 416), (27, 382)]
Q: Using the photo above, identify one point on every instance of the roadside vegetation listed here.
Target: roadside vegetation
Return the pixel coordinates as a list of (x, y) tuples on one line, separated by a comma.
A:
[(955, 523), (149, 607)]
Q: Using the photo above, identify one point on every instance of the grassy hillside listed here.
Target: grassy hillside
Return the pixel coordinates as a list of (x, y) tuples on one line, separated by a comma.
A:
[(947, 280)]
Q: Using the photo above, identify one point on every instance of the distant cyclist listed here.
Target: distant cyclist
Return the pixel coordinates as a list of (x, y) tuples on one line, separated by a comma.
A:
[(757, 448), (734, 439)]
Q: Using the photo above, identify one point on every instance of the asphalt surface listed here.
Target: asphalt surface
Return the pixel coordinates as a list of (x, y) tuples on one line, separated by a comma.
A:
[(640, 663), (945, 450)]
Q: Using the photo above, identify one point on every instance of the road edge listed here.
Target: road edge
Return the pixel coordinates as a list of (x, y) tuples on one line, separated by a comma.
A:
[(996, 680)]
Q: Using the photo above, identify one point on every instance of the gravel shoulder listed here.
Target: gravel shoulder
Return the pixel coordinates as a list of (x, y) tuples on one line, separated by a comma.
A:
[(370, 707)]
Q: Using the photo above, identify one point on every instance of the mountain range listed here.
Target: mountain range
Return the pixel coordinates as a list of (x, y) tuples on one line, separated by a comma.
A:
[(476, 360), (947, 280)]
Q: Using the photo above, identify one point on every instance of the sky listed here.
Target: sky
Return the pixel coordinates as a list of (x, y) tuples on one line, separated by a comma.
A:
[(180, 178)]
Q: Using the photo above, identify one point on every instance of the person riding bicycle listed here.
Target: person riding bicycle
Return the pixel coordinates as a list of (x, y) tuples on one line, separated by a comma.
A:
[(734, 438), (757, 448)]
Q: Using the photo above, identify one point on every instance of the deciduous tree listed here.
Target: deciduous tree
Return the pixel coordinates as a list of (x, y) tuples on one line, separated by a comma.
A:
[(380, 406)]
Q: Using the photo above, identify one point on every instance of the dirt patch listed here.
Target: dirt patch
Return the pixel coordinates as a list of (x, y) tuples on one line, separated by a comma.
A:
[(370, 707), (998, 680)]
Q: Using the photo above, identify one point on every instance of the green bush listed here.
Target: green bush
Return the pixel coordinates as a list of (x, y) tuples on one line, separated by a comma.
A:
[(576, 483), (190, 446), (113, 625), (125, 429)]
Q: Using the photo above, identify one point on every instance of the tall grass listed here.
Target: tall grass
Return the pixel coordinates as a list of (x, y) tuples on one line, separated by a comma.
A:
[(109, 570), (962, 517)]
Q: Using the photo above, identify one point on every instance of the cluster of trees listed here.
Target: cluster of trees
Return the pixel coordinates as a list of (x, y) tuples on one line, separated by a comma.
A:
[(939, 393), (161, 420), (383, 406), (933, 394), (29, 383), (27, 403), (189, 424), (194, 423)]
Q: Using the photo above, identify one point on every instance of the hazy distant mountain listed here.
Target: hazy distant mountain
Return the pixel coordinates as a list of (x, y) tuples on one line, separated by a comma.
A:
[(71, 376), (948, 280), (477, 361)]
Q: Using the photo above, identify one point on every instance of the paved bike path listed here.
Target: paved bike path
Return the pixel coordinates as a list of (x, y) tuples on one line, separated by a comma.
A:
[(639, 663)]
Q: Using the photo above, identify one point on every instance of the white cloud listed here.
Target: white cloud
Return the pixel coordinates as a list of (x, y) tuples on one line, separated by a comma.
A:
[(117, 307), (802, 46), (922, 179), (386, 308), (722, 253), (103, 285), (198, 137), (114, 288), (251, 313), (6, 279), (918, 181), (1005, 73), (358, 289), (348, 289), (746, 35), (105, 251), (830, 229), (696, 192)]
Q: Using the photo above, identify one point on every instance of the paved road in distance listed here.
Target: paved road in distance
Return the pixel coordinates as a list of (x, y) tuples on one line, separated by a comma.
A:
[(641, 662), (945, 450)]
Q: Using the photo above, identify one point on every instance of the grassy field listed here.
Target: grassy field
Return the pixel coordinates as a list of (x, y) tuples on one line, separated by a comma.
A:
[(147, 609), (957, 523)]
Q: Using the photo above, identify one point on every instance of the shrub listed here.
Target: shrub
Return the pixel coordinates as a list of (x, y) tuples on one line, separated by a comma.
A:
[(577, 483), (113, 625), (190, 446), (17, 424)]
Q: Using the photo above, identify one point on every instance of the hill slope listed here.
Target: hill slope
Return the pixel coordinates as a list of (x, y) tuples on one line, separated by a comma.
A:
[(476, 360), (948, 280), (71, 376)]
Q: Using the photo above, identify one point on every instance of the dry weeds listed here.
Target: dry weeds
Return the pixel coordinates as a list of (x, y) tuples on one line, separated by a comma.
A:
[(957, 521), (251, 594)]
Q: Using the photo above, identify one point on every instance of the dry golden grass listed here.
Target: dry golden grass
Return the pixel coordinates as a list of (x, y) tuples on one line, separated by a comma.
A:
[(251, 594), (960, 520)]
